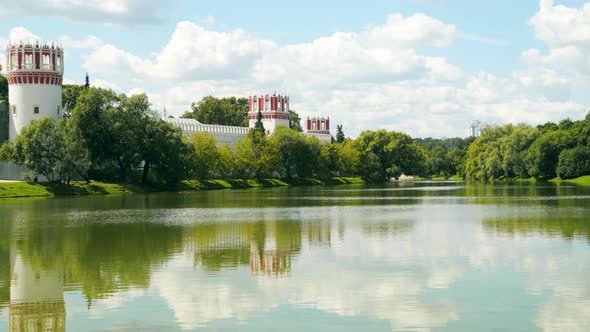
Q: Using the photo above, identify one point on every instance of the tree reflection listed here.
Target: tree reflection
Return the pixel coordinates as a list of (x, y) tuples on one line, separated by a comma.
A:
[(566, 227), (100, 258)]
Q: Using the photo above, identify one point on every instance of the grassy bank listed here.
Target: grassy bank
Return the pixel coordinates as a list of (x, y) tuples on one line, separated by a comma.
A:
[(23, 189), (582, 180)]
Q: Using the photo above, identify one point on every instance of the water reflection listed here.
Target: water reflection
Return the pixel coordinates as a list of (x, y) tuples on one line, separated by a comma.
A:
[(420, 259), (36, 298)]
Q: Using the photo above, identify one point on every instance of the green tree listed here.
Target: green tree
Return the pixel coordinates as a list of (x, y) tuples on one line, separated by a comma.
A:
[(206, 156), (386, 155), (69, 95), (92, 121), (226, 163), (46, 149), (229, 111), (458, 155), (7, 151), (574, 162), (40, 148), (340, 134), (3, 88), (297, 155), (543, 156), (349, 158), (295, 121), (514, 149), (165, 149), (259, 126), (327, 164), (256, 157), (86, 81), (484, 156)]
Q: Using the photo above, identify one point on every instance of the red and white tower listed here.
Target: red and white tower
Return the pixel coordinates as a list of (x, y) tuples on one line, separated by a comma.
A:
[(35, 76), (274, 109)]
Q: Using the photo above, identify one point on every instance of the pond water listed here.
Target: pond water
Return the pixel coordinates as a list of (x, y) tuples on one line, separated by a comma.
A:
[(402, 257)]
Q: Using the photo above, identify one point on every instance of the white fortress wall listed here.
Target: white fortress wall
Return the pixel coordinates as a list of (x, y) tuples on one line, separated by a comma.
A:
[(226, 135), (324, 138)]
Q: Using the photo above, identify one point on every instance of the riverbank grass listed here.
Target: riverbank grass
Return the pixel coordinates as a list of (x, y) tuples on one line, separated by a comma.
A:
[(582, 180), (77, 188)]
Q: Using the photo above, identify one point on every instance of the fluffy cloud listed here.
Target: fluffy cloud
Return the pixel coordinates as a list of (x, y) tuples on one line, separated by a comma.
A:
[(124, 12), (89, 42), (192, 53), (375, 78), (566, 63)]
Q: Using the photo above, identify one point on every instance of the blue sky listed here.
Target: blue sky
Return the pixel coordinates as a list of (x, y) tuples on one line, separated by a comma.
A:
[(425, 67)]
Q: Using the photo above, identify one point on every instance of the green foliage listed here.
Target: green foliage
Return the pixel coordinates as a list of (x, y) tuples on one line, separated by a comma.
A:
[(205, 157), (164, 148), (574, 162), (543, 156), (69, 95), (348, 158), (522, 152), (295, 121), (256, 157), (7, 151), (3, 88), (500, 152), (230, 111), (47, 148), (386, 155), (297, 155), (259, 126), (340, 138)]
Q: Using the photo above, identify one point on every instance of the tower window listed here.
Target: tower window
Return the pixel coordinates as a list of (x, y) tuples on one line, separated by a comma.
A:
[(28, 60), (45, 61), (36, 109), (58, 110), (13, 110)]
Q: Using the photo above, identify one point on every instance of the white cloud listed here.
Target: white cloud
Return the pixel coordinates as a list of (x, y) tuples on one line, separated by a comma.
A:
[(192, 53), (89, 42), (18, 34), (371, 79), (566, 63), (560, 26), (121, 12), (105, 85)]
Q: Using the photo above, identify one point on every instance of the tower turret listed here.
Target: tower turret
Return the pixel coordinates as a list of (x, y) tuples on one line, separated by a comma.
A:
[(274, 109), (35, 75)]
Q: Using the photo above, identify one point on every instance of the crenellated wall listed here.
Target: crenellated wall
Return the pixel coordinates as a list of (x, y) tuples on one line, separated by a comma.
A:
[(227, 135)]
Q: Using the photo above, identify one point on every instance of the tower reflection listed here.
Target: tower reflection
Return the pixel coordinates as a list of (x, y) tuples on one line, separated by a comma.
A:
[(36, 298)]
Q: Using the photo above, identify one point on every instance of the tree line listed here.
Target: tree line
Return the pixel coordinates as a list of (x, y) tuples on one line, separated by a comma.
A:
[(117, 137), (543, 152)]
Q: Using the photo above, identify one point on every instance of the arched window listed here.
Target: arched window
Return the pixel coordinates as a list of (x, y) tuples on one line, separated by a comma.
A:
[(36, 109)]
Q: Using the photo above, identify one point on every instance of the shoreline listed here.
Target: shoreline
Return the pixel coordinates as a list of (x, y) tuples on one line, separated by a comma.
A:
[(15, 190)]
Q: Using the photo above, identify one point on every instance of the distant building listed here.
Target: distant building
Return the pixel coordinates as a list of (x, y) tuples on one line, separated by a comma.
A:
[(474, 129)]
